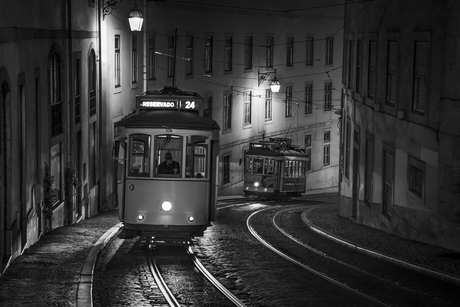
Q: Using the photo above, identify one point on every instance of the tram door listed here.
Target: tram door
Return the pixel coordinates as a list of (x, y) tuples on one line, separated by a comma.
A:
[(120, 167)]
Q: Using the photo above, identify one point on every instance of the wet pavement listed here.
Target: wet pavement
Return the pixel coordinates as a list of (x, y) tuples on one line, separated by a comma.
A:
[(57, 270)]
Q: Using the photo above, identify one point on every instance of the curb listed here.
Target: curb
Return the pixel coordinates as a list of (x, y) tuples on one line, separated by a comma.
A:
[(85, 286)]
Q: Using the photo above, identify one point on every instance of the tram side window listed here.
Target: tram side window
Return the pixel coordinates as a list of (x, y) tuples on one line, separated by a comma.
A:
[(168, 155), (197, 157), (139, 157)]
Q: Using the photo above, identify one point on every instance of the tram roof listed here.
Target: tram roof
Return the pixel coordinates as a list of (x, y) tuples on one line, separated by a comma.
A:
[(170, 119), (275, 153)]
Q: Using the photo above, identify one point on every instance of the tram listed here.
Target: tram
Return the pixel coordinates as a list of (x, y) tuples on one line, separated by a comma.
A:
[(167, 154), (274, 169)]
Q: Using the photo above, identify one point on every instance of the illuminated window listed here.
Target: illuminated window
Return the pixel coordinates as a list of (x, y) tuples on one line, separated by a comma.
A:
[(227, 111), (359, 65), (372, 73), (228, 54), (329, 50), (309, 51), (290, 52), (308, 98), (269, 42), (327, 96), (288, 106), (268, 104), (117, 61), (420, 77), (55, 94), (247, 107), (392, 60), (152, 57), (208, 54), (92, 81), (248, 52)]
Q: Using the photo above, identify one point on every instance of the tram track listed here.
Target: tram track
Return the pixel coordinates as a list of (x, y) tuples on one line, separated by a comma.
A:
[(377, 281), (165, 289)]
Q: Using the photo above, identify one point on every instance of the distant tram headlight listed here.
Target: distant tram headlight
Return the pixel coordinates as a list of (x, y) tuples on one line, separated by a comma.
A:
[(166, 206), (256, 184)]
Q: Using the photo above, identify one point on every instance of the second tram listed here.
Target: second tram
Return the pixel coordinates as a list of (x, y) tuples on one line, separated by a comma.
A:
[(274, 169)]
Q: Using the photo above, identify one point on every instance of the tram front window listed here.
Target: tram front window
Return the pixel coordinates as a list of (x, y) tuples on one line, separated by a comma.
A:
[(139, 157), (197, 156), (168, 155)]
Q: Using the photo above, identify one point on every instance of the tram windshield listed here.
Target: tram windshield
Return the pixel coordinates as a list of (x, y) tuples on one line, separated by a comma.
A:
[(168, 155), (259, 165)]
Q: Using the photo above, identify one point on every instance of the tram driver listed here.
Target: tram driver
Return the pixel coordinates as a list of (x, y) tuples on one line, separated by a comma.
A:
[(169, 166)]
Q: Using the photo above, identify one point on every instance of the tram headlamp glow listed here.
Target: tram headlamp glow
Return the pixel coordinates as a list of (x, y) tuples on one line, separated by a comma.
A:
[(166, 206), (256, 184), (191, 219), (140, 217)]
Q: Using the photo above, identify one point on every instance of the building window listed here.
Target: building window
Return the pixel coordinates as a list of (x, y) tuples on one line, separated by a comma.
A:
[(134, 59), (347, 148), (77, 72), (416, 177), (248, 52), (309, 51), (56, 169), (392, 72), (117, 63), (388, 178), (152, 58), (247, 107), (208, 54), (227, 112), (308, 150), (288, 108), (55, 95), (228, 54), (327, 148), (92, 81), (226, 170), (329, 50), (207, 107), (359, 65), (369, 170), (327, 96), (290, 51), (420, 76), (269, 41), (308, 98), (372, 74), (189, 56), (350, 63), (268, 104), (171, 43)]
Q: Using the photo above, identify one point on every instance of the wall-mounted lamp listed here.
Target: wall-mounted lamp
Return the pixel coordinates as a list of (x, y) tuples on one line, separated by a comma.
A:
[(274, 84), (135, 19), (108, 6)]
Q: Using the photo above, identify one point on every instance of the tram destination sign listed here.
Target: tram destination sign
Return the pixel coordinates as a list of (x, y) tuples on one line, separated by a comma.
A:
[(185, 104)]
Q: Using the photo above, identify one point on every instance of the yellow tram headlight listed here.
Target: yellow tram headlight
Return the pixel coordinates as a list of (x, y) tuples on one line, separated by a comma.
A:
[(166, 206), (191, 219), (256, 184), (140, 217)]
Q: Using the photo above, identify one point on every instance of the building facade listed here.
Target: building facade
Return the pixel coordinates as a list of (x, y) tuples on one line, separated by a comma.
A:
[(400, 135), (229, 53)]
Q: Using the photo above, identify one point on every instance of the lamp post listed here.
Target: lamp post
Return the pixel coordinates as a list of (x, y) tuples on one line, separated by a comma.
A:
[(135, 19)]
